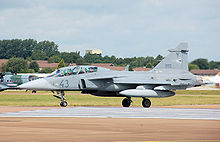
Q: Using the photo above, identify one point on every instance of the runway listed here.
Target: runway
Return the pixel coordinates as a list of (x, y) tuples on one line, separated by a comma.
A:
[(111, 124), (118, 112)]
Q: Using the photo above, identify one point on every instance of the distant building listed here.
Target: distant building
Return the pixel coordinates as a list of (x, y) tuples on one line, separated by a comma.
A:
[(205, 72), (141, 69), (44, 64), (217, 78), (109, 66), (94, 51), (208, 76)]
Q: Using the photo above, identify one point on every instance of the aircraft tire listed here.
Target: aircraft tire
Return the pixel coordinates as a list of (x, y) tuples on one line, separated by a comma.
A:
[(126, 102), (63, 104), (146, 103)]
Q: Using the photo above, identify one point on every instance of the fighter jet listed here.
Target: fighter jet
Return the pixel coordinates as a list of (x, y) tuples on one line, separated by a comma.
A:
[(169, 75), (11, 81)]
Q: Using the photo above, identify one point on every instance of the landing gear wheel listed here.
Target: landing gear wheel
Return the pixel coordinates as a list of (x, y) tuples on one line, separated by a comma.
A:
[(60, 95), (126, 102), (63, 104), (146, 103)]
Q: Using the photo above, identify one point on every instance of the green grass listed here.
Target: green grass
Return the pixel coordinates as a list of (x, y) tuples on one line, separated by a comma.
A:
[(198, 92), (43, 98)]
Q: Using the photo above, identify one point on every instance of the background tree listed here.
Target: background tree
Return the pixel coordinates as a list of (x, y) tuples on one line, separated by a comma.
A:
[(3, 67), (46, 70), (27, 47), (31, 71), (47, 47), (130, 68), (61, 64), (120, 62), (39, 55), (202, 63), (34, 65), (214, 65), (16, 65), (193, 66), (29, 59), (81, 61), (16, 48), (134, 64), (157, 60), (54, 59), (69, 57), (10, 48), (149, 65), (93, 58), (107, 59), (150, 59), (48, 50)]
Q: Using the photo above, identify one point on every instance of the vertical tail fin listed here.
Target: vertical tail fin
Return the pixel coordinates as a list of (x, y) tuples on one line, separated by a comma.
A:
[(176, 59)]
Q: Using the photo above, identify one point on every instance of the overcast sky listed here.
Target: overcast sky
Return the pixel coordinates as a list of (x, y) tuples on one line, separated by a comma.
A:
[(124, 28)]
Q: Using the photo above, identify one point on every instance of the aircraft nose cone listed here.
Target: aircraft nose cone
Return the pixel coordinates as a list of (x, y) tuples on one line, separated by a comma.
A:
[(39, 84)]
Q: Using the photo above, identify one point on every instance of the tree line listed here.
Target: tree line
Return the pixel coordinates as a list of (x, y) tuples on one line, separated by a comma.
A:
[(30, 49)]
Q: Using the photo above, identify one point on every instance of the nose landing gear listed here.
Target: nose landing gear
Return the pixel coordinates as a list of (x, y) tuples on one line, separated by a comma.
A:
[(63, 102)]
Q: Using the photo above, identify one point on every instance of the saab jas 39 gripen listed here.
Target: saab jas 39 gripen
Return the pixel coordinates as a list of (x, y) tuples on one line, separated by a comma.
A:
[(169, 75)]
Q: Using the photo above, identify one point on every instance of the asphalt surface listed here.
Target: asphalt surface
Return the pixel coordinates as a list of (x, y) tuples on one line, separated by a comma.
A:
[(118, 112)]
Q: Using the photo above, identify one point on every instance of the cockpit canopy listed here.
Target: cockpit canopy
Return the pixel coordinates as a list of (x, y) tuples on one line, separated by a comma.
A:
[(73, 70)]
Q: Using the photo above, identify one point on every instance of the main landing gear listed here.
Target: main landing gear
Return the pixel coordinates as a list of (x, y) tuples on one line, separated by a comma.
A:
[(60, 95), (126, 102), (146, 103)]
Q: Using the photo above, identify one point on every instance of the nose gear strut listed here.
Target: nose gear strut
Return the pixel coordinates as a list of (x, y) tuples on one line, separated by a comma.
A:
[(60, 95)]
